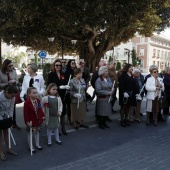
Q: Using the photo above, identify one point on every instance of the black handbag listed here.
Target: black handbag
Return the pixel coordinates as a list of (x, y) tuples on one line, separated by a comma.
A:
[(6, 122), (163, 101)]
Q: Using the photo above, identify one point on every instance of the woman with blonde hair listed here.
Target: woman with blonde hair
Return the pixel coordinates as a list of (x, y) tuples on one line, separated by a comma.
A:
[(32, 79), (154, 86)]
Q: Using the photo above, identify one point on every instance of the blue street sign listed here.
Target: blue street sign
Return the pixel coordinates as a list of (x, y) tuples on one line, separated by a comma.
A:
[(42, 54)]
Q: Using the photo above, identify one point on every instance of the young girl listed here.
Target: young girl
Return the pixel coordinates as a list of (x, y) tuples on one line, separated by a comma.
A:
[(33, 116), (52, 107)]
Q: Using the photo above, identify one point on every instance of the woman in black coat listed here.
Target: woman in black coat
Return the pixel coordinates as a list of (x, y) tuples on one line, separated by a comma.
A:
[(127, 93), (71, 65), (56, 76)]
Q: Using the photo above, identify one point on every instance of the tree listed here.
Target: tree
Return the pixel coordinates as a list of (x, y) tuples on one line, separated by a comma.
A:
[(118, 66), (134, 57), (16, 58), (97, 25)]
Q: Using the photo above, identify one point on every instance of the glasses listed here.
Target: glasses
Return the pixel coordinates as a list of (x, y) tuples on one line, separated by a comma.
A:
[(73, 63), (155, 72), (58, 65)]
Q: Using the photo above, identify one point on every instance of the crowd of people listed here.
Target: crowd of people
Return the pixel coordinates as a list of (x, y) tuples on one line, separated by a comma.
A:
[(65, 94)]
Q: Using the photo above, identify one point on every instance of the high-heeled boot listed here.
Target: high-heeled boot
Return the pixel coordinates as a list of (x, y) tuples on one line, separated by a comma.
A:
[(63, 125)]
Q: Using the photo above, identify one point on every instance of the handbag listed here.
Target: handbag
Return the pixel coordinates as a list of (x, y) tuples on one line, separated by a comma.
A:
[(163, 101), (6, 122)]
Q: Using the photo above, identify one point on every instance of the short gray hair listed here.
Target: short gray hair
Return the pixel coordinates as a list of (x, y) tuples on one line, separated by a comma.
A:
[(34, 67), (153, 67), (135, 71)]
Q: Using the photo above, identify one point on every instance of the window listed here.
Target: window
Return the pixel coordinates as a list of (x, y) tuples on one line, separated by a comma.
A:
[(154, 52), (162, 54), (141, 52), (153, 62), (158, 54), (165, 55)]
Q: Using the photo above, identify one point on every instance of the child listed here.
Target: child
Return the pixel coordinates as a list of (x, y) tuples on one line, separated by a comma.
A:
[(52, 107), (33, 113)]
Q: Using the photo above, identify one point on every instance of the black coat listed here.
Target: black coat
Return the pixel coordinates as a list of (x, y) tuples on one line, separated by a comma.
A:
[(94, 78), (129, 85), (166, 81), (53, 78)]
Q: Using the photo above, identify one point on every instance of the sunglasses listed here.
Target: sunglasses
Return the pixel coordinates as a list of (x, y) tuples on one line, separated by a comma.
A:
[(58, 65), (73, 63), (155, 72)]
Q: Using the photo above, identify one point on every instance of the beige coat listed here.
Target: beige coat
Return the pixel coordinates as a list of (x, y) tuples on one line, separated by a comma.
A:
[(4, 78), (45, 107)]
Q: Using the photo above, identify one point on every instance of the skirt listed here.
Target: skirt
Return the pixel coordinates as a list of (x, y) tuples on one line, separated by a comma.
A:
[(78, 114), (104, 108)]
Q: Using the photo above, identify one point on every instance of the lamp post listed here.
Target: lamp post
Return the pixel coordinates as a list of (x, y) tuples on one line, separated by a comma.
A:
[(73, 42), (128, 53)]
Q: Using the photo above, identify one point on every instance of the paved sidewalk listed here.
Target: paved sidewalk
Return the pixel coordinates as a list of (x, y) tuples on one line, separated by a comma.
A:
[(151, 152)]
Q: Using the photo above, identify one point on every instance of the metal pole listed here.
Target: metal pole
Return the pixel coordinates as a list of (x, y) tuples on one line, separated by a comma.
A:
[(62, 48), (42, 64)]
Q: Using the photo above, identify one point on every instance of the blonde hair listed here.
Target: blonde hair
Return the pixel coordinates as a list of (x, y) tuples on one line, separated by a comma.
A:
[(50, 86), (34, 67)]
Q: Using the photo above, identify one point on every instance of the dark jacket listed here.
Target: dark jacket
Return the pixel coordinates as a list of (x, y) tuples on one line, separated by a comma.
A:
[(53, 78), (166, 81), (94, 78), (86, 75), (129, 85)]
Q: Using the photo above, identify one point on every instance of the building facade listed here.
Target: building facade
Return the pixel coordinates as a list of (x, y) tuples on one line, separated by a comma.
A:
[(150, 50)]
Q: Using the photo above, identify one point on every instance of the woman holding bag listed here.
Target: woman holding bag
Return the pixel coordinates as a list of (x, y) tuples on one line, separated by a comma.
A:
[(9, 76), (7, 99)]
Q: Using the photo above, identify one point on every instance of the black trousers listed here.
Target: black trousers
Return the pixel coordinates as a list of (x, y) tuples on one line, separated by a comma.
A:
[(14, 115)]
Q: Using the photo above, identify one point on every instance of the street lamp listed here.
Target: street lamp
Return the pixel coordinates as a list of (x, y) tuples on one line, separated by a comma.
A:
[(73, 42), (128, 53)]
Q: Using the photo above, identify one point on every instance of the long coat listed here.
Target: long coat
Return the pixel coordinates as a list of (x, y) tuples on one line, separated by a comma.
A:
[(30, 113), (102, 90), (129, 85)]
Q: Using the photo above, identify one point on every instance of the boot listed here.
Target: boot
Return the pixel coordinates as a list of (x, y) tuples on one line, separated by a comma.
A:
[(123, 123), (63, 125), (104, 122), (100, 122)]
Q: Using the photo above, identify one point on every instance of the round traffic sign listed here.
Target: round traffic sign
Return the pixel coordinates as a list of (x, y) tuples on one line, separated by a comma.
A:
[(42, 54)]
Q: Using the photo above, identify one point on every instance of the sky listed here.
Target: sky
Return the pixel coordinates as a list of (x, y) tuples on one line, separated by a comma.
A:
[(166, 33)]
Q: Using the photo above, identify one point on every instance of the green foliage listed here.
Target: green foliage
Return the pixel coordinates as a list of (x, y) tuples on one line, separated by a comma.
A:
[(46, 70), (134, 57), (118, 66), (97, 25), (36, 59), (15, 57)]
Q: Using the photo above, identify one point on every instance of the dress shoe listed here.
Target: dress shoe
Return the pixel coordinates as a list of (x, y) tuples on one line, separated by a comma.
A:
[(39, 148), (113, 111), (108, 119), (106, 126), (12, 152), (59, 142), (101, 127), (16, 127), (49, 145), (3, 157), (84, 126), (64, 132), (141, 114), (33, 150)]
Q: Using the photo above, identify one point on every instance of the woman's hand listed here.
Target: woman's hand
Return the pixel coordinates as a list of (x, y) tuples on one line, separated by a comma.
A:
[(29, 124)]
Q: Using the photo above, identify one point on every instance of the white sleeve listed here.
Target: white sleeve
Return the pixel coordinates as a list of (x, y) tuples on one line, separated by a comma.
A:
[(24, 87), (42, 89)]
